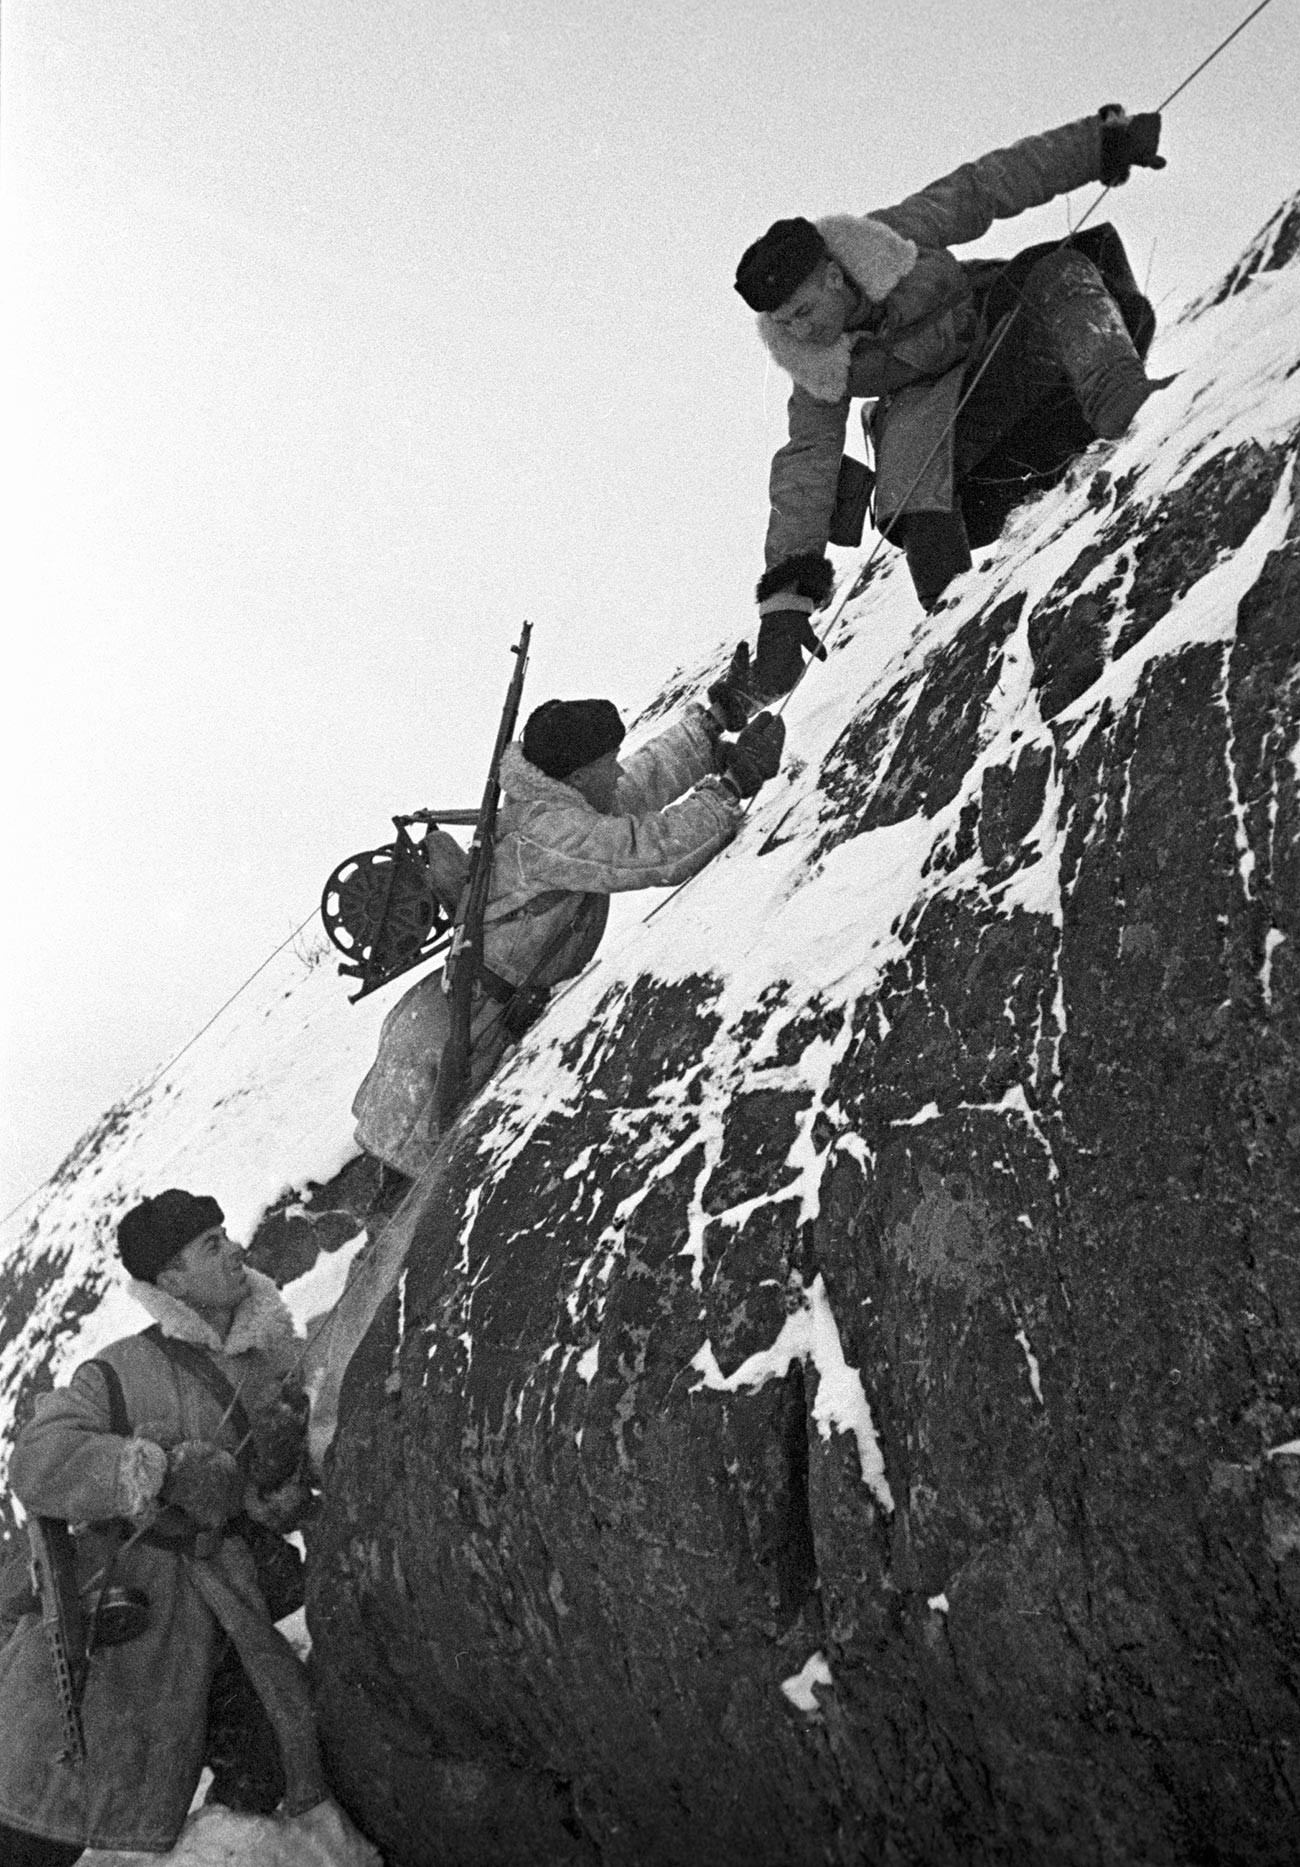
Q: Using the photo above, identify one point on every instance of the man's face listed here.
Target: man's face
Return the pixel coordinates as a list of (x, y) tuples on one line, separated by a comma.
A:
[(815, 311), (598, 781), (209, 1273)]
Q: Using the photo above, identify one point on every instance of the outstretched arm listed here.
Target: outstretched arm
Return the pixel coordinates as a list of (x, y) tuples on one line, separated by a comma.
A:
[(965, 204)]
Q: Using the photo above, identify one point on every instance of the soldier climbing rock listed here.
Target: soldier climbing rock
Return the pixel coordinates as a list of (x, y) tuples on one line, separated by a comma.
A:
[(576, 825), (875, 306)]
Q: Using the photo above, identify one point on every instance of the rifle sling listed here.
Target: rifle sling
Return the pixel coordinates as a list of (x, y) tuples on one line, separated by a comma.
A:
[(198, 1362)]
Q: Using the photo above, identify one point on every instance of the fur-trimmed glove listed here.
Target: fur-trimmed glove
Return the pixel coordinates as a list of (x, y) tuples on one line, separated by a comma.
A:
[(755, 756), (279, 1432), (730, 699), (1128, 142), (204, 1481)]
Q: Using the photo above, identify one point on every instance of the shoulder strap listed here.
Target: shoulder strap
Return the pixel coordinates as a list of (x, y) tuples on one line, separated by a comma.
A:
[(199, 1363), (119, 1420)]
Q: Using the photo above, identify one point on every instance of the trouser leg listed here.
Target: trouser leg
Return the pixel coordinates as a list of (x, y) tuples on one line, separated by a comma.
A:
[(937, 550), (1082, 327), (241, 1750), (22, 1850)]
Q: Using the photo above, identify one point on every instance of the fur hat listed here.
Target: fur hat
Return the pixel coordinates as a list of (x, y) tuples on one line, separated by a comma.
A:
[(564, 735), (778, 264), (156, 1230)]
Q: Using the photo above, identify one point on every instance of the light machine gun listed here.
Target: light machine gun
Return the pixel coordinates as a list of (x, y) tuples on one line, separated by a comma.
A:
[(391, 908)]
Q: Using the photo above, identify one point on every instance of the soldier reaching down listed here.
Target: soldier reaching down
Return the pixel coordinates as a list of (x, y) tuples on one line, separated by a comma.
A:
[(1039, 354)]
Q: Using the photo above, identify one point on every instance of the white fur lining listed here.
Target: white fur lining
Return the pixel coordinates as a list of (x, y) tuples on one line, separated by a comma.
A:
[(876, 258), (870, 251), (262, 1320), (140, 1473)]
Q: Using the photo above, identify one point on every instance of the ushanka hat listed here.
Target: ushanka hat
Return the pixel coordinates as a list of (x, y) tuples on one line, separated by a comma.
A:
[(158, 1229), (778, 264), (563, 735)]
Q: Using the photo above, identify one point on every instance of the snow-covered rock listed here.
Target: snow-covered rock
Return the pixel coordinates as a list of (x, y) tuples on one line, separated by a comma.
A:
[(883, 1254), (214, 1837), (905, 1214)]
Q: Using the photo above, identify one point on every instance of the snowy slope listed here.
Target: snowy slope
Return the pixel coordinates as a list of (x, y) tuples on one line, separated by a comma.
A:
[(811, 895), (789, 899), (805, 1318), (261, 1104)]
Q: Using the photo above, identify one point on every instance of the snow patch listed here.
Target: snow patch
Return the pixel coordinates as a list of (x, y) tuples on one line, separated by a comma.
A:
[(810, 1334), (798, 1688), (215, 1837)]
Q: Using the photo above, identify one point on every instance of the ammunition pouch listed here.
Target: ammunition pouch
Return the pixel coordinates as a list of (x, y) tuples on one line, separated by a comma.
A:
[(523, 1004), (853, 490)]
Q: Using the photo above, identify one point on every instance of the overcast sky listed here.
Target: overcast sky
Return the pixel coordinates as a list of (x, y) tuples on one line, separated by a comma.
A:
[(346, 336)]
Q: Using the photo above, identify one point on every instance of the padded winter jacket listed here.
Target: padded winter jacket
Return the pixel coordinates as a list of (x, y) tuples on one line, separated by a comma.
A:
[(556, 862), (669, 817), (921, 331), (145, 1708)]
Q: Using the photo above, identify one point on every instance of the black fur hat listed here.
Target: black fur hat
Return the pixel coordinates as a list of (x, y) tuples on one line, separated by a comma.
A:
[(156, 1230), (563, 735), (778, 264)]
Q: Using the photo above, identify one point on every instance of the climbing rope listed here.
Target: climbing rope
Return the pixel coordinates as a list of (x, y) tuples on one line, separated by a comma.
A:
[(832, 618), (221, 1010)]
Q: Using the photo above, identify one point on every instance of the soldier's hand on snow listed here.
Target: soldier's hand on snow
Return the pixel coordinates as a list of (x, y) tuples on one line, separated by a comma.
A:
[(755, 756), (730, 701), (204, 1481), (1128, 142)]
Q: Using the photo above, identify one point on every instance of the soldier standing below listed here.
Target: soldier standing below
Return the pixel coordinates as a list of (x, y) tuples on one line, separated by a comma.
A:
[(184, 1440)]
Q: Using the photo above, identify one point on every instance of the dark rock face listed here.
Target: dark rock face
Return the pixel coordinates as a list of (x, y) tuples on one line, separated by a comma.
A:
[(1023, 1215)]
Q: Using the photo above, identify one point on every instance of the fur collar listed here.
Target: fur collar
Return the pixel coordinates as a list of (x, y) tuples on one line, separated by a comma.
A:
[(262, 1320), (876, 258), (523, 783)]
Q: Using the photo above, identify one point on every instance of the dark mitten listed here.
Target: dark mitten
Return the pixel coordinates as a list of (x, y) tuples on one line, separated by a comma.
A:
[(1128, 142), (204, 1481), (756, 755), (783, 635), (730, 700), (279, 1432)]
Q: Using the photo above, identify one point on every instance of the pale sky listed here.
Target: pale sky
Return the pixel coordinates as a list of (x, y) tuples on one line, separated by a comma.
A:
[(344, 336)]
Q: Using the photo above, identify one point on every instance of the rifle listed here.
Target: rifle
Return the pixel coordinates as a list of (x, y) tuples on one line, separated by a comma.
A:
[(54, 1570), (466, 955)]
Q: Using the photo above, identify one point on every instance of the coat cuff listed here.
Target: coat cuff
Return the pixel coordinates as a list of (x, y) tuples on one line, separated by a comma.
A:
[(141, 1469), (785, 600), (809, 574)]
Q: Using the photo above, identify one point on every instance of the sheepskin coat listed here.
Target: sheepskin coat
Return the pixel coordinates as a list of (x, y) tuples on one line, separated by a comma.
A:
[(920, 331), (556, 862), (145, 1707)]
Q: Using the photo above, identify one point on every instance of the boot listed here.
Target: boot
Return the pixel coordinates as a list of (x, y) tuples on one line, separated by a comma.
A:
[(1089, 339), (937, 550)]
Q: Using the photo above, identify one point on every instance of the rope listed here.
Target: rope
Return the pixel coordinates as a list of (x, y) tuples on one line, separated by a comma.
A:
[(221, 1010), (832, 618)]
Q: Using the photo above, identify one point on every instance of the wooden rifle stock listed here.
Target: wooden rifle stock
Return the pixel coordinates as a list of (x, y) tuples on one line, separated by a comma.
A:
[(466, 953), (54, 1564)]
